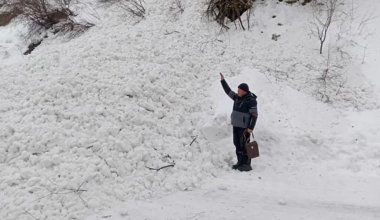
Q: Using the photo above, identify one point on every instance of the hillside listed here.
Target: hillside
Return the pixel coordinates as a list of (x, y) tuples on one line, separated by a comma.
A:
[(84, 119)]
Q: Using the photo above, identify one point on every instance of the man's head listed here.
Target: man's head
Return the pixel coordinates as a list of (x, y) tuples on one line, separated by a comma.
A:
[(243, 89)]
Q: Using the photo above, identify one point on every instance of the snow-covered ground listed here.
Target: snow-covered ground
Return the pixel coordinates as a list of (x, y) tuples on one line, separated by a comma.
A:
[(262, 196), (82, 119), (12, 44)]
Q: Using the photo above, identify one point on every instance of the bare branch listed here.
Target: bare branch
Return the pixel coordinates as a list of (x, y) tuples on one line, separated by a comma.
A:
[(30, 214), (158, 169), (194, 139), (177, 7), (324, 11)]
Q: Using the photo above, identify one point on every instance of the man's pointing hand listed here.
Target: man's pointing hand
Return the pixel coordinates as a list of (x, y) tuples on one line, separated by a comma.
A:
[(221, 76)]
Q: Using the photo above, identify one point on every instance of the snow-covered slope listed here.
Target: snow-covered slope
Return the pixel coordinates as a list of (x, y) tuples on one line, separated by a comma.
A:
[(11, 43), (81, 120)]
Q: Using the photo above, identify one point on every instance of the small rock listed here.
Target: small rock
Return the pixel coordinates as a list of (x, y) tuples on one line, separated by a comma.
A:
[(275, 37)]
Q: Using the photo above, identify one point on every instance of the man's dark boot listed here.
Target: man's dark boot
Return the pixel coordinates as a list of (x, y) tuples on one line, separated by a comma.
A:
[(235, 166), (246, 166), (239, 162)]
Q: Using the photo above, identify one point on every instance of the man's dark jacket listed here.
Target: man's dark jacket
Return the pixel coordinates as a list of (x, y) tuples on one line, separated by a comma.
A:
[(244, 114)]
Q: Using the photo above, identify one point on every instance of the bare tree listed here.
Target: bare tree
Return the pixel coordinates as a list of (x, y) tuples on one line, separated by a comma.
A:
[(324, 12), (177, 8), (332, 79)]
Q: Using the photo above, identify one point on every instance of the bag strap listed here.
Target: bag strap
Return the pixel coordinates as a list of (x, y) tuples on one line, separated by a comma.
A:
[(246, 139)]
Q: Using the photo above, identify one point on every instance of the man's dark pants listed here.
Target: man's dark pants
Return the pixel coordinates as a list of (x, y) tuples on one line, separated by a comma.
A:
[(240, 139)]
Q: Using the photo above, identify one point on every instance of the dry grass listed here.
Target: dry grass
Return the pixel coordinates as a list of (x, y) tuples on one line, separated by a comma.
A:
[(54, 15), (134, 7), (219, 10), (42, 12)]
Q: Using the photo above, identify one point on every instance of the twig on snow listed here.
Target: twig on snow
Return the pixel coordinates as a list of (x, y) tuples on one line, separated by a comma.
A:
[(194, 139), (105, 161), (158, 169), (62, 191), (171, 32), (27, 212)]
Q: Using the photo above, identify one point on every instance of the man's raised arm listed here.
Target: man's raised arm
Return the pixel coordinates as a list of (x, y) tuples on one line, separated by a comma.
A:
[(226, 88)]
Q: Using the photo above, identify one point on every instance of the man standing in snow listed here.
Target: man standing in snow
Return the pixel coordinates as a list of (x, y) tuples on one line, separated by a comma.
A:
[(243, 119)]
